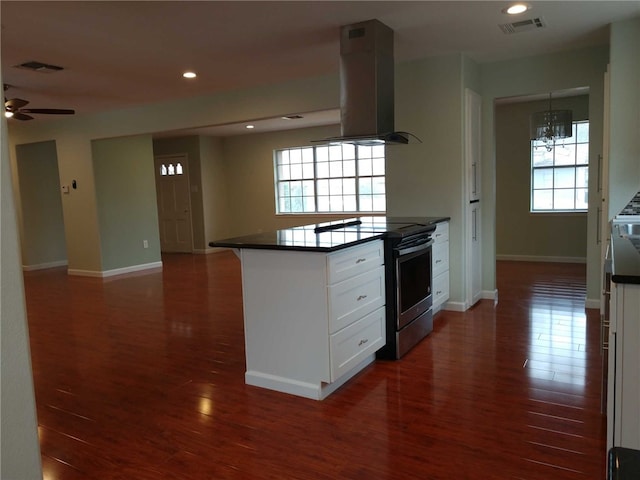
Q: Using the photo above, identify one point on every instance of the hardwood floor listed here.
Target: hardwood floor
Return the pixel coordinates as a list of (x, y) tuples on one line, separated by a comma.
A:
[(142, 378)]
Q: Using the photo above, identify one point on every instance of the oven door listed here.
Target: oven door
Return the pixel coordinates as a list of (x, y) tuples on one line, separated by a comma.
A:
[(413, 280)]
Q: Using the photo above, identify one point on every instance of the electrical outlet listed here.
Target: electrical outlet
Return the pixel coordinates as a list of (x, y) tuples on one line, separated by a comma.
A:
[(145, 243)]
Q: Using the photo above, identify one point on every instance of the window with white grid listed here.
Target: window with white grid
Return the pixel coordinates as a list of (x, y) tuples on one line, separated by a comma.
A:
[(560, 176), (330, 179)]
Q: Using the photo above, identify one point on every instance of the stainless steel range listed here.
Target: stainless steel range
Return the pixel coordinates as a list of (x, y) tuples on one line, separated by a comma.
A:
[(408, 282)]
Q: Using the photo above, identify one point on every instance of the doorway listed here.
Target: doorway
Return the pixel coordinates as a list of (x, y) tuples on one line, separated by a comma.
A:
[(174, 203), (43, 238), (558, 236)]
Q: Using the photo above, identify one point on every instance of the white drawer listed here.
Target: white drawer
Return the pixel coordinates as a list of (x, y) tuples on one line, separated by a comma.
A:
[(355, 260), (355, 297), (440, 261), (354, 343), (440, 289), (441, 233)]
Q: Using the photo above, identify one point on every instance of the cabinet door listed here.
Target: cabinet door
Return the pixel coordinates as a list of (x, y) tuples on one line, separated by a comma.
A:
[(473, 144), (354, 261), (440, 258), (355, 297), (354, 343), (475, 258)]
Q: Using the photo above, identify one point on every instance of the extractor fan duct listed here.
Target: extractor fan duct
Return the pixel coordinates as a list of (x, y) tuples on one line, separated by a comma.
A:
[(367, 86), (13, 108)]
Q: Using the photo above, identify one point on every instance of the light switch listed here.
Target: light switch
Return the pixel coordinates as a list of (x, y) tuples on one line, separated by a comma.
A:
[(65, 188)]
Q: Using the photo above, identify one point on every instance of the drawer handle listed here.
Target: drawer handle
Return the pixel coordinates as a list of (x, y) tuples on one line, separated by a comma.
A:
[(363, 341), (438, 292), (360, 260), (438, 261), (361, 297)]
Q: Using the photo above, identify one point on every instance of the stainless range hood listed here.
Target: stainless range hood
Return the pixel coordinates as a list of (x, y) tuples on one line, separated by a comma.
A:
[(366, 86)]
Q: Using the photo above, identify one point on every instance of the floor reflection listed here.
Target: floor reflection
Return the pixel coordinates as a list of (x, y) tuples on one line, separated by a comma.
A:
[(145, 380), (557, 344)]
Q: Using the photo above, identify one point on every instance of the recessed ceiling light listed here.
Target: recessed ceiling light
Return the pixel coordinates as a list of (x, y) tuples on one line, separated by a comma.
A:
[(189, 75), (249, 126), (516, 8)]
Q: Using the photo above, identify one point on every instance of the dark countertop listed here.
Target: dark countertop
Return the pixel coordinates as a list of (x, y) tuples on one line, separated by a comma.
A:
[(307, 238), (623, 464), (625, 255)]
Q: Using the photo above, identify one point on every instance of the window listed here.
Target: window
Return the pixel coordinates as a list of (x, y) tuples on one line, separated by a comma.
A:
[(330, 178), (171, 170), (559, 178)]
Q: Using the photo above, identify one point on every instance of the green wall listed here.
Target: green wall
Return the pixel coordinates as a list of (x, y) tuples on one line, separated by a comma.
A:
[(214, 189), (74, 136), (126, 199), (41, 206), (519, 233), (427, 179)]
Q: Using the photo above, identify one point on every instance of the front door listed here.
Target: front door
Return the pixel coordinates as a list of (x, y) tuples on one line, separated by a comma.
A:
[(174, 203)]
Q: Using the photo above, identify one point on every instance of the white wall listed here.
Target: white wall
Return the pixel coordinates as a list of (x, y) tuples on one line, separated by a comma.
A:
[(19, 448), (624, 153)]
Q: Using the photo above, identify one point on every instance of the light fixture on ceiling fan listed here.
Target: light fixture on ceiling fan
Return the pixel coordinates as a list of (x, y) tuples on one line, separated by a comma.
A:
[(13, 108), (550, 125)]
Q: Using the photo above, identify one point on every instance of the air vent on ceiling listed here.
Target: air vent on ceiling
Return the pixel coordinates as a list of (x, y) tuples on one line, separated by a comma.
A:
[(523, 25), (39, 67)]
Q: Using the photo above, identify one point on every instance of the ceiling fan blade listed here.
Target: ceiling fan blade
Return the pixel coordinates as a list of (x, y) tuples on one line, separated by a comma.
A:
[(22, 116), (15, 103), (50, 111)]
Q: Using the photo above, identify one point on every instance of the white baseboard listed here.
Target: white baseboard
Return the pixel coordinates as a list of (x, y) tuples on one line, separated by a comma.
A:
[(592, 303), (536, 258), (464, 306), (454, 306), (314, 391), (43, 266), (115, 271), (490, 295)]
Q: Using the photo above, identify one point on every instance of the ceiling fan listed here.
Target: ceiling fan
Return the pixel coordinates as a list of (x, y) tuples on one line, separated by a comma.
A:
[(13, 108)]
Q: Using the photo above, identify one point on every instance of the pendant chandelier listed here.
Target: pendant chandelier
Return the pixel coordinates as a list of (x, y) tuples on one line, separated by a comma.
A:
[(550, 125)]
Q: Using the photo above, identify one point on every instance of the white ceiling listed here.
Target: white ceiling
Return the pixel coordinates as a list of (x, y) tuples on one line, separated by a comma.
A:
[(120, 54)]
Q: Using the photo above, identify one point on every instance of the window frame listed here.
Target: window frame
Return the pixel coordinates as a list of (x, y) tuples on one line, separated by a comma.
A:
[(576, 166), (327, 185)]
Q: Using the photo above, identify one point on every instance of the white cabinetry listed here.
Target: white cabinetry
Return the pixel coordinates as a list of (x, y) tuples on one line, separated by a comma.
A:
[(623, 414), (440, 265), (312, 319), (472, 153)]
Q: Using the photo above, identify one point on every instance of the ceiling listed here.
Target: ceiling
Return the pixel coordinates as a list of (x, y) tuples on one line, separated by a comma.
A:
[(121, 54)]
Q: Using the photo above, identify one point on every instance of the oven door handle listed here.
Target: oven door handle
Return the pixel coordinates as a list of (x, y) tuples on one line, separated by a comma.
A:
[(412, 248)]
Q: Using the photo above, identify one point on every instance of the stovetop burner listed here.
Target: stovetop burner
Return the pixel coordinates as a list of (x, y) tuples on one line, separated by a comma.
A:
[(398, 227)]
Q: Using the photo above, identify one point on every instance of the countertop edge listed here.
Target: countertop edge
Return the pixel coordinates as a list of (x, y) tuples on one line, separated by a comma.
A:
[(296, 248), (251, 242), (625, 261)]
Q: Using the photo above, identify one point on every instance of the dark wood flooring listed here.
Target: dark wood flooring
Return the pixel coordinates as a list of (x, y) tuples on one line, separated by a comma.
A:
[(142, 378)]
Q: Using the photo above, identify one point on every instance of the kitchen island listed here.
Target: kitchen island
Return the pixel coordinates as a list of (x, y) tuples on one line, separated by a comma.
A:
[(314, 303)]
